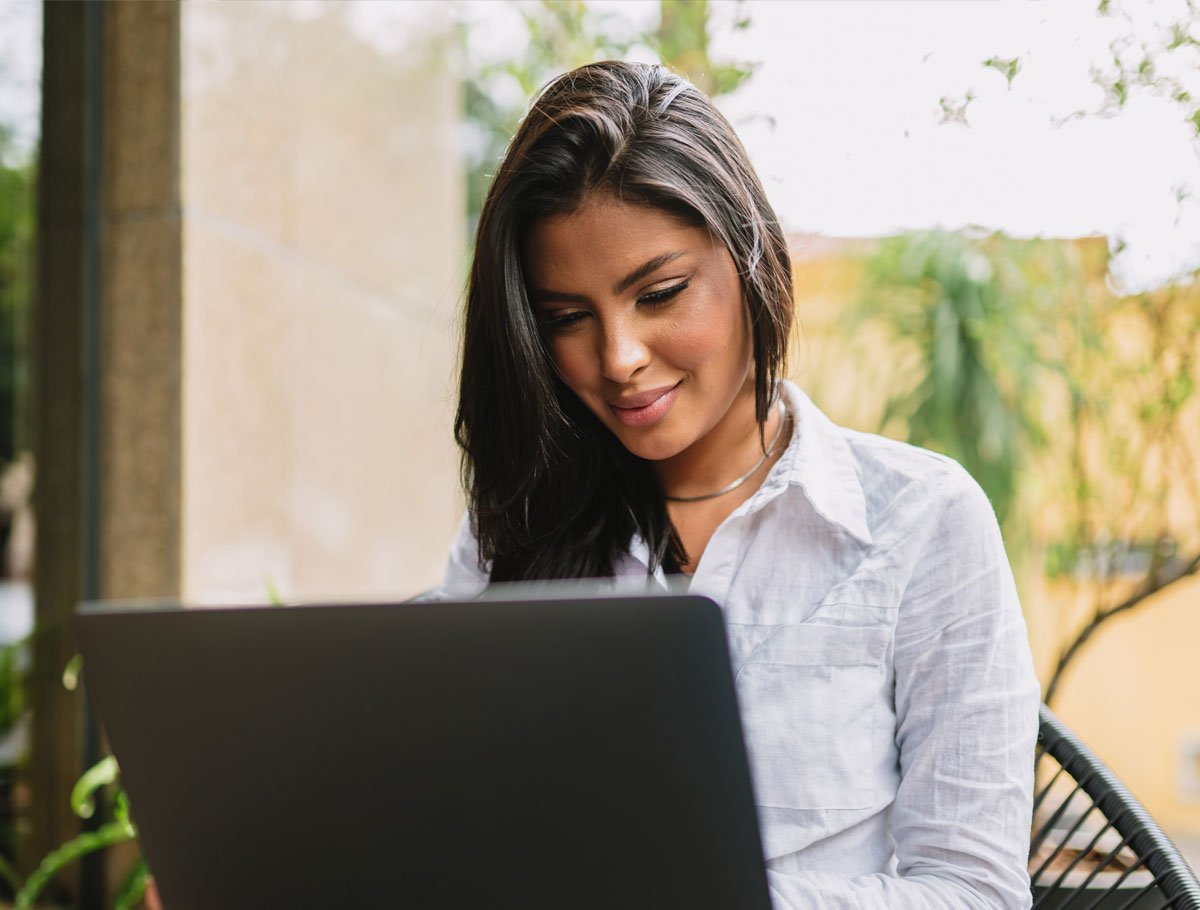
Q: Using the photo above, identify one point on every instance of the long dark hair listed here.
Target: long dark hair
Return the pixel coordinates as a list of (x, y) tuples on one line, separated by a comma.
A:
[(552, 493)]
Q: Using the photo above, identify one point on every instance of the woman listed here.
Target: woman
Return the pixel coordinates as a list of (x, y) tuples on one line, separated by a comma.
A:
[(622, 413)]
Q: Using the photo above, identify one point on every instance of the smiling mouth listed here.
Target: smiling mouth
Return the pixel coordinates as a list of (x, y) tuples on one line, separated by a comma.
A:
[(645, 408)]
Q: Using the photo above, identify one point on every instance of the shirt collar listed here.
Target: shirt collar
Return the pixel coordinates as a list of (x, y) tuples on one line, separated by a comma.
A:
[(819, 460)]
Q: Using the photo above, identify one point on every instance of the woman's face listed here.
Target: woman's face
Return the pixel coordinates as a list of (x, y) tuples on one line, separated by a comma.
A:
[(645, 319)]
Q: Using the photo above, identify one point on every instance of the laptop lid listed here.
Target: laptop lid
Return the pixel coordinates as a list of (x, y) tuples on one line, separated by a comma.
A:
[(552, 753)]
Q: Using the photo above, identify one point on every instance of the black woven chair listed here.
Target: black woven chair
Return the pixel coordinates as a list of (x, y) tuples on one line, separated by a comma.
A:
[(1095, 847)]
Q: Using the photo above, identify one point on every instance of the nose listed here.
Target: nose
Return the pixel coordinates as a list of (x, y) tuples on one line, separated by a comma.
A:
[(623, 352)]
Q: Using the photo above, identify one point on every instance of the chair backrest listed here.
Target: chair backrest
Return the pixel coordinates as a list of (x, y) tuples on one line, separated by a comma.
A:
[(1094, 845)]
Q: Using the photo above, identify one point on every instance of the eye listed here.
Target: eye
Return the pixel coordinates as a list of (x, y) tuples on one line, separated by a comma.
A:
[(563, 322), (665, 294)]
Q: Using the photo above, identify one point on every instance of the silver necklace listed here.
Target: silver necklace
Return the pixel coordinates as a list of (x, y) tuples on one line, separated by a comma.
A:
[(741, 480)]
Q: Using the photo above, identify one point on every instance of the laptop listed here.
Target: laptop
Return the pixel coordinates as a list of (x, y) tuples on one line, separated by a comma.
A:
[(525, 752)]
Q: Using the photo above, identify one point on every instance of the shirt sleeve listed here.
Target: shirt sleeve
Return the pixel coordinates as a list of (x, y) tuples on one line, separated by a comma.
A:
[(966, 702), (464, 577)]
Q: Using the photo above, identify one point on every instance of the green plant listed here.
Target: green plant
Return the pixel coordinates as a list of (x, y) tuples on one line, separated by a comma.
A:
[(964, 315), (564, 34), (1128, 466), (13, 671), (120, 829), (17, 181), (85, 795)]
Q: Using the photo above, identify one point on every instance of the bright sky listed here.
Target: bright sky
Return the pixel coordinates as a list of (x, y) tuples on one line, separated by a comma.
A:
[(20, 70), (842, 117), (851, 143)]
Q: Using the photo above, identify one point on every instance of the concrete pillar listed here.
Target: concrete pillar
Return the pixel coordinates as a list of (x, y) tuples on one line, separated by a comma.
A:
[(58, 394), (140, 402), (107, 409)]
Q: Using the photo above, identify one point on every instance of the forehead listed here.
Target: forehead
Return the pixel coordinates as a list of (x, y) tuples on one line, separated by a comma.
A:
[(606, 238)]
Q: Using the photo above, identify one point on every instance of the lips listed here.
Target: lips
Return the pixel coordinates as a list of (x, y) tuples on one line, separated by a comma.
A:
[(644, 408)]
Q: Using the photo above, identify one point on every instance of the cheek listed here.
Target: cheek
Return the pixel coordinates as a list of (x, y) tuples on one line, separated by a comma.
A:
[(714, 340), (575, 363)]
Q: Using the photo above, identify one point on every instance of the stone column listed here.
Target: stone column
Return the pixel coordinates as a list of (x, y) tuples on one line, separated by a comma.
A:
[(141, 319), (107, 364), (57, 361)]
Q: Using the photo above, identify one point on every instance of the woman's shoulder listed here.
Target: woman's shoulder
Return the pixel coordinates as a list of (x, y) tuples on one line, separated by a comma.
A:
[(934, 540), (925, 493), (899, 482), (889, 465)]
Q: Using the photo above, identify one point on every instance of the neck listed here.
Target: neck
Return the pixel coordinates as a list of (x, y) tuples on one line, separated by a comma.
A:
[(723, 454)]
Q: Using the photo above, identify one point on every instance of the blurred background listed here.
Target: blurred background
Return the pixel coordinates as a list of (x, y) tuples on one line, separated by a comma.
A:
[(233, 238)]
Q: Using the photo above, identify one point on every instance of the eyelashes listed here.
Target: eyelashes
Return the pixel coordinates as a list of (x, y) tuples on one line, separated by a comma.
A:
[(558, 323), (654, 298), (665, 293)]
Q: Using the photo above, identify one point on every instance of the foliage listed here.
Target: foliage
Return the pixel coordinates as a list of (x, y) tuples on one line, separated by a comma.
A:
[(682, 44), (1162, 60), (1015, 358), (1129, 463), (102, 776), (1125, 473), (1149, 55), (117, 831), (967, 311), (1153, 53), (561, 36), (83, 794), (16, 254), (17, 182), (1006, 68), (12, 683), (564, 34)]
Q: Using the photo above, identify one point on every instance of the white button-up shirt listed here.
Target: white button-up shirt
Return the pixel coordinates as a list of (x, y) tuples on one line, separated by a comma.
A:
[(883, 673)]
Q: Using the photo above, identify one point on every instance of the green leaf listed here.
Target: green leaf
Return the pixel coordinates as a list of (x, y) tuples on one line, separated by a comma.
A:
[(1008, 68), (101, 774), (9, 874), (1180, 37), (121, 806), (133, 888), (89, 842), (70, 676), (1178, 391), (1120, 91)]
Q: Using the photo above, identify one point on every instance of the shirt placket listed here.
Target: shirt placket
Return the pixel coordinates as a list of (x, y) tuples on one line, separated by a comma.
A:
[(724, 554)]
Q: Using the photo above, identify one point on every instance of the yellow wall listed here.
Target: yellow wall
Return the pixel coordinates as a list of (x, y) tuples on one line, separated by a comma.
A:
[(1133, 692)]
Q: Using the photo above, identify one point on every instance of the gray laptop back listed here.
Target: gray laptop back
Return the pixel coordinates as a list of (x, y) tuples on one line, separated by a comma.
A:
[(562, 753)]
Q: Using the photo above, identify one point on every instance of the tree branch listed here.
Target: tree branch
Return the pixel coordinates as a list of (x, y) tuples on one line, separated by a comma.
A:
[(1168, 575)]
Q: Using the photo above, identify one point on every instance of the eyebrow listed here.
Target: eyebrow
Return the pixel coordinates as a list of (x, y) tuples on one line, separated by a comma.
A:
[(646, 268)]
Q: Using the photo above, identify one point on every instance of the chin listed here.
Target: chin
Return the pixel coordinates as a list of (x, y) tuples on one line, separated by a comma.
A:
[(650, 444)]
